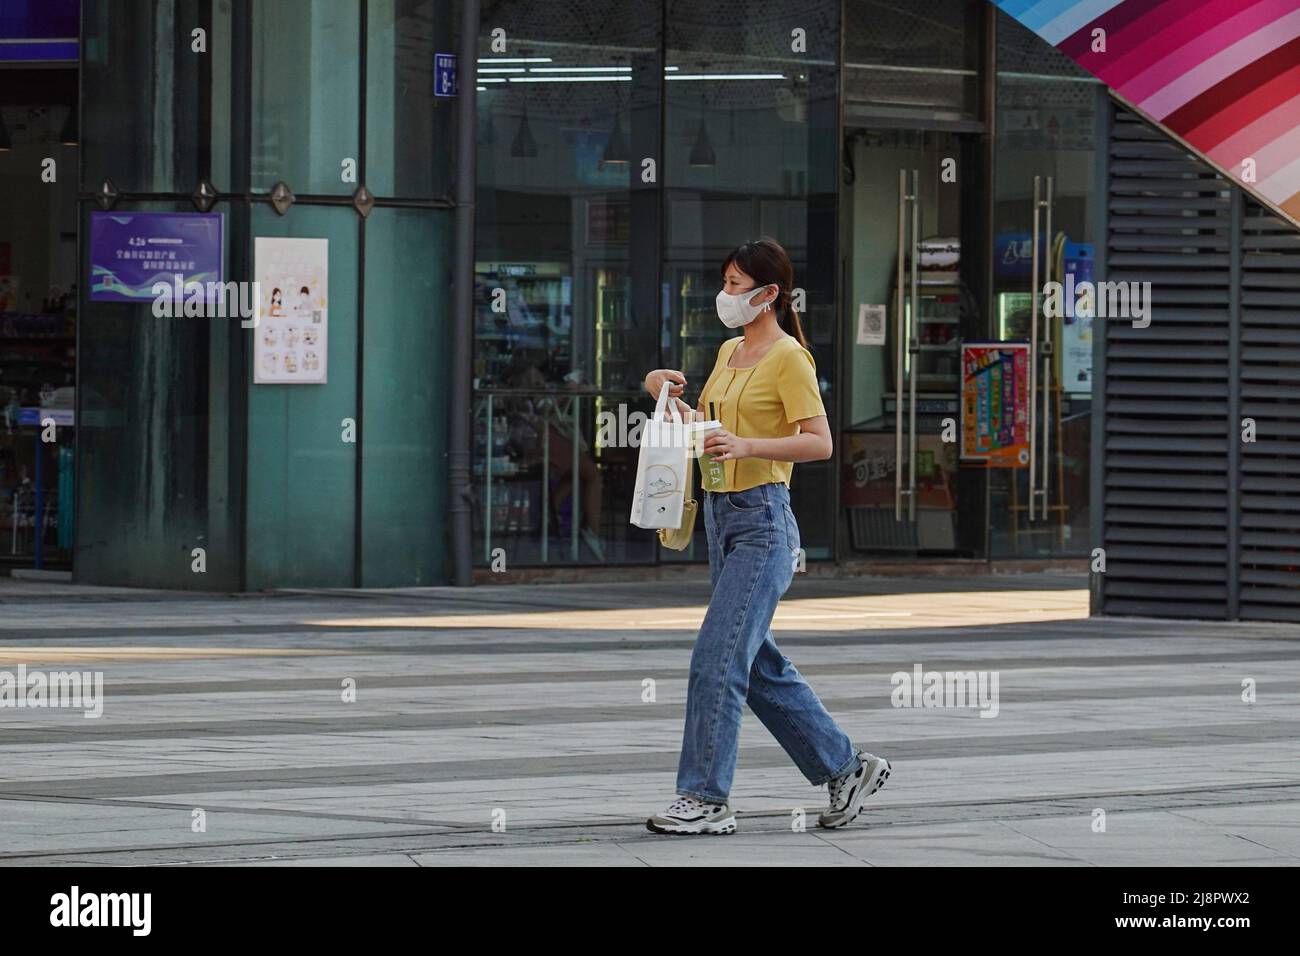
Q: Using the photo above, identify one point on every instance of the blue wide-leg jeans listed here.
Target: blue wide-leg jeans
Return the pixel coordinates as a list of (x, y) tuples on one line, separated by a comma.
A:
[(753, 548)]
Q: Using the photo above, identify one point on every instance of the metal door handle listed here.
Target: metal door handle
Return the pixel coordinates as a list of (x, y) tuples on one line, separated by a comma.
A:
[(1033, 350), (913, 347), (900, 343), (1040, 351), (1047, 353)]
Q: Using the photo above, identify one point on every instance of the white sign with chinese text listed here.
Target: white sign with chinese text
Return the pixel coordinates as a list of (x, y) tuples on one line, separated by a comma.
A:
[(292, 319)]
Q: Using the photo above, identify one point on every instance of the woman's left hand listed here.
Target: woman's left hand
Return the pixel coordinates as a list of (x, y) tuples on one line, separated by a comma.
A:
[(728, 447)]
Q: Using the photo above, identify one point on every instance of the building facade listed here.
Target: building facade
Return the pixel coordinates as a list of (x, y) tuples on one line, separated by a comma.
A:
[(622, 156), (926, 165)]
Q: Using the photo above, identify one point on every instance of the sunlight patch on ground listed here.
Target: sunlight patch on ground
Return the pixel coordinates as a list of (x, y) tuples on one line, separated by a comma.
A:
[(863, 612), (35, 653)]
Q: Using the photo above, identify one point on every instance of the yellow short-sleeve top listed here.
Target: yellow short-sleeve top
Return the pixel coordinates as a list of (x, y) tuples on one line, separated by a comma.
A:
[(763, 401)]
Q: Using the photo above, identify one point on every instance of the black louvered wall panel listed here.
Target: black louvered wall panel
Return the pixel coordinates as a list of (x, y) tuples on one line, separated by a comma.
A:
[(1196, 522), (1270, 394), (1165, 500)]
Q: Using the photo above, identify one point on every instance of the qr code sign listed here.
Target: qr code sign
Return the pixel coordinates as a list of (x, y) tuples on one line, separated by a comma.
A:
[(871, 325)]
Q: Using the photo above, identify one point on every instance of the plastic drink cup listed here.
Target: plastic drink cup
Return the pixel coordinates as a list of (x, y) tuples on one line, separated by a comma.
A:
[(712, 474)]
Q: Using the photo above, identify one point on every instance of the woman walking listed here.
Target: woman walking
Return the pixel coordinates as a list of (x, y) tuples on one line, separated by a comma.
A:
[(764, 390)]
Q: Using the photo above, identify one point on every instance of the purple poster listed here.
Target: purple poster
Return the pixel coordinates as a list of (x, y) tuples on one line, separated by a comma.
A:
[(130, 252)]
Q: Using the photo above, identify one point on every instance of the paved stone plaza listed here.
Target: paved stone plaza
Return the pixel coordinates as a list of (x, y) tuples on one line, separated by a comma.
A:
[(525, 704)]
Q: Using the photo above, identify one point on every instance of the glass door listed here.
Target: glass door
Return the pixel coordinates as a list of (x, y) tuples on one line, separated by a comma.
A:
[(1048, 217), (909, 305)]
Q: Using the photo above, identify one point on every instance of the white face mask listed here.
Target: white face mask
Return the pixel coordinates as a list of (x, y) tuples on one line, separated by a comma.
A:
[(735, 310)]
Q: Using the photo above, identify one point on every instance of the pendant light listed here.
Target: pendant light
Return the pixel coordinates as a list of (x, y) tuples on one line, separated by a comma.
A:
[(616, 150), (702, 152), (702, 155), (524, 146), (68, 135)]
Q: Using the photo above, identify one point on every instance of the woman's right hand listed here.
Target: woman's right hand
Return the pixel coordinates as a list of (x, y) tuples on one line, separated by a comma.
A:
[(654, 383)]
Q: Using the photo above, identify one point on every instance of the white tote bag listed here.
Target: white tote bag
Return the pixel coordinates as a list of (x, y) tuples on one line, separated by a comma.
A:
[(661, 468)]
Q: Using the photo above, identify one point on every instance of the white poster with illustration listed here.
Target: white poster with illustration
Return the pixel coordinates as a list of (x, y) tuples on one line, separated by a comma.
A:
[(292, 310)]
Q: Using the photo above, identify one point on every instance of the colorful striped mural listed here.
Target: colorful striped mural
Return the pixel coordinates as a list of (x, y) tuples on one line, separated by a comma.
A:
[(1224, 75)]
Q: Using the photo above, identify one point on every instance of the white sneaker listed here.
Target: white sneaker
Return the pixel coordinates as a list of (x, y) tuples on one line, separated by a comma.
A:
[(689, 815), (848, 791)]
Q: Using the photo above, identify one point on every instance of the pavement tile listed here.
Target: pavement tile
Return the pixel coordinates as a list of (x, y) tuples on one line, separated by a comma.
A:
[(528, 699)]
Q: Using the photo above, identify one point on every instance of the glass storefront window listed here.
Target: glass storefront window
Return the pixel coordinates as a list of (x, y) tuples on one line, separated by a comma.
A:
[(306, 98), (567, 279), (750, 149), (179, 449), (623, 149), (1049, 116), (154, 116), (302, 475), (408, 128), (404, 429), (157, 475), (911, 64)]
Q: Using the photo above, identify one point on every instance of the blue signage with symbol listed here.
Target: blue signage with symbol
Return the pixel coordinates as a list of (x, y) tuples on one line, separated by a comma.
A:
[(444, 74), (131, 252), (1013, 253)]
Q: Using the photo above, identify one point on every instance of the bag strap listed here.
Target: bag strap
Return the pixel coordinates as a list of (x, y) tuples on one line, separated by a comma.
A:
[(689, 483), (664, 405)]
